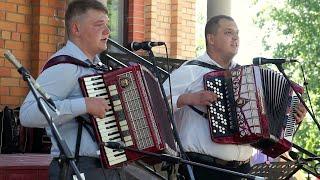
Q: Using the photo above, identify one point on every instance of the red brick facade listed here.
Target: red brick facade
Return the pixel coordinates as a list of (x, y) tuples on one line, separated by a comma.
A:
[(33, 29)]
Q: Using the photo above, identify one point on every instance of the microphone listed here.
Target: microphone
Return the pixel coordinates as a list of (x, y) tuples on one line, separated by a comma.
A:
[(261, 61), (23, 71), (145, 45), (294, 155), (114, 145)]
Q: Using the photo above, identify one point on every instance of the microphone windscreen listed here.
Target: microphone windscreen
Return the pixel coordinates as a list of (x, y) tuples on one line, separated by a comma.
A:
[(293, 155)]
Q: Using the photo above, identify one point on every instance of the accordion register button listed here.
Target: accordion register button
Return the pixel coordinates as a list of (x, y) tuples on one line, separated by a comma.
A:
[(122, 123), (117, 108), (127, 138), (124, 128), (129, 143), (113, 92), (112, 87), (117, 103)]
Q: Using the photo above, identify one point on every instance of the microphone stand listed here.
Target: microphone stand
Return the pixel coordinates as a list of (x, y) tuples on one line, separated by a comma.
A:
[(280, 68), (63, 147), (178, 160), (174, 127)]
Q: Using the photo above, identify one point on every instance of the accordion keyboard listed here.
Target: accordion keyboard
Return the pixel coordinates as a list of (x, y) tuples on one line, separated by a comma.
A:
[(107, 126), (138, 116)]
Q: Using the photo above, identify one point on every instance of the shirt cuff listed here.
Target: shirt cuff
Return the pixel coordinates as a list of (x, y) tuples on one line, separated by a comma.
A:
[(78, 106)]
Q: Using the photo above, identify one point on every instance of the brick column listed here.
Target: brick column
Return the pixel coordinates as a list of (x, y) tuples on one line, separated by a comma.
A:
[(136, 20), (15, 35), (172, 21), (48, 31)]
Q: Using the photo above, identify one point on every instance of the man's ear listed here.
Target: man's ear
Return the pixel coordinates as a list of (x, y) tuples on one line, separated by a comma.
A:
[(210, 39), (75, 29)]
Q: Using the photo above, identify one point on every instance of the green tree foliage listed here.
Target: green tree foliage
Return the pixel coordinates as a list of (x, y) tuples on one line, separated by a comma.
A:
[(293, 31)]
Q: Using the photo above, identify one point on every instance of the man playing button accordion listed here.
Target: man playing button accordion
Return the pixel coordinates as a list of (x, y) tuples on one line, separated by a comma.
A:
[(189, 101)]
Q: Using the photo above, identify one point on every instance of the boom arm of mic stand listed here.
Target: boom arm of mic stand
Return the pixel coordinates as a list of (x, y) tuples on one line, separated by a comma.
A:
[(279, 66), (116, 61), (172, 159), (141, 59), (61, 143)]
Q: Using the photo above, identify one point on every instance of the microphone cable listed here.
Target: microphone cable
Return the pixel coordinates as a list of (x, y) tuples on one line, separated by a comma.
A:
[(305, 84), (169, 78)]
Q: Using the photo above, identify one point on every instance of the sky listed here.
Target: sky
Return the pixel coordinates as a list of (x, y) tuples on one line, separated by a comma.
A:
[(250, 36)]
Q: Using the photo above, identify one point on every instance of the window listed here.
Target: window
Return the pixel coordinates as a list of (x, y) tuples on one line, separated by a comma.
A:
[(116, 10)]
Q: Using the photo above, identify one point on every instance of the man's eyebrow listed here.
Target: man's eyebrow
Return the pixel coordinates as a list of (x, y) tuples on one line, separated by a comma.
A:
[(100, 21), (230, 29)]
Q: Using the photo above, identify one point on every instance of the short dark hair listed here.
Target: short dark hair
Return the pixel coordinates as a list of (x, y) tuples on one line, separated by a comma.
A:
[(213, 24), (79, 7)]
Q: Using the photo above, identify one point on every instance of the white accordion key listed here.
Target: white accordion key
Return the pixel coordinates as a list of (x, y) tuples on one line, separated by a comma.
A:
[(96, 91), (115, 157), (117, 108)]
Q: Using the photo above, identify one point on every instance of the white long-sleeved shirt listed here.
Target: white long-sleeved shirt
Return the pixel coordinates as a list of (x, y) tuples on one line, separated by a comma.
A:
[(193, 128)]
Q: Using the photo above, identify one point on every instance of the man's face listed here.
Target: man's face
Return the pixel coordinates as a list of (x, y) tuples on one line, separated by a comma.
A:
[(226, 40), (93, 31)]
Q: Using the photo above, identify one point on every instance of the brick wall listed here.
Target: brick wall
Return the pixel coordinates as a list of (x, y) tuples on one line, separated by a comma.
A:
[(172, 21), (31, 30)]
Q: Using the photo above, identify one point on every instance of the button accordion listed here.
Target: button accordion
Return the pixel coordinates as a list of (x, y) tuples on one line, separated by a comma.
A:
[(138, 116), (254, 105)]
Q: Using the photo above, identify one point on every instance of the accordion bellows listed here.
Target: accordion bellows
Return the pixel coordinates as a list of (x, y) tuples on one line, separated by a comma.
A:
[(255, 106)]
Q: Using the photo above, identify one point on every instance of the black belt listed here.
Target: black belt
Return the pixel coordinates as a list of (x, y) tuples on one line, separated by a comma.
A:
[(206, 159)]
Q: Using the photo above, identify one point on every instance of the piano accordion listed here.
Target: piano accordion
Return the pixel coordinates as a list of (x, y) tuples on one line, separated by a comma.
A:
[(255, 106), (138, 117)]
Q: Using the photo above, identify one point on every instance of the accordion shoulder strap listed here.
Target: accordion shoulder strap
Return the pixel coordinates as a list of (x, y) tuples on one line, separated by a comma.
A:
[(206, 65), (81, 123), (203, 64), (64, 59), (203, 114)]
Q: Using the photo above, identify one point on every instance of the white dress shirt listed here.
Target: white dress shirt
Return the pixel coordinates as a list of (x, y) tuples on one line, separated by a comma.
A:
[(192, 127)]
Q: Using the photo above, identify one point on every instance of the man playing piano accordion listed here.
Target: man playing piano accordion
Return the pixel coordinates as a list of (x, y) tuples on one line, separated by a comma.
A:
[(222, 43), (87, 29)]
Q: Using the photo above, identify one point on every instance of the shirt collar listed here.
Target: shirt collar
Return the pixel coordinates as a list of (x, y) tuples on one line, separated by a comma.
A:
[(71, 49), (207, 59)]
